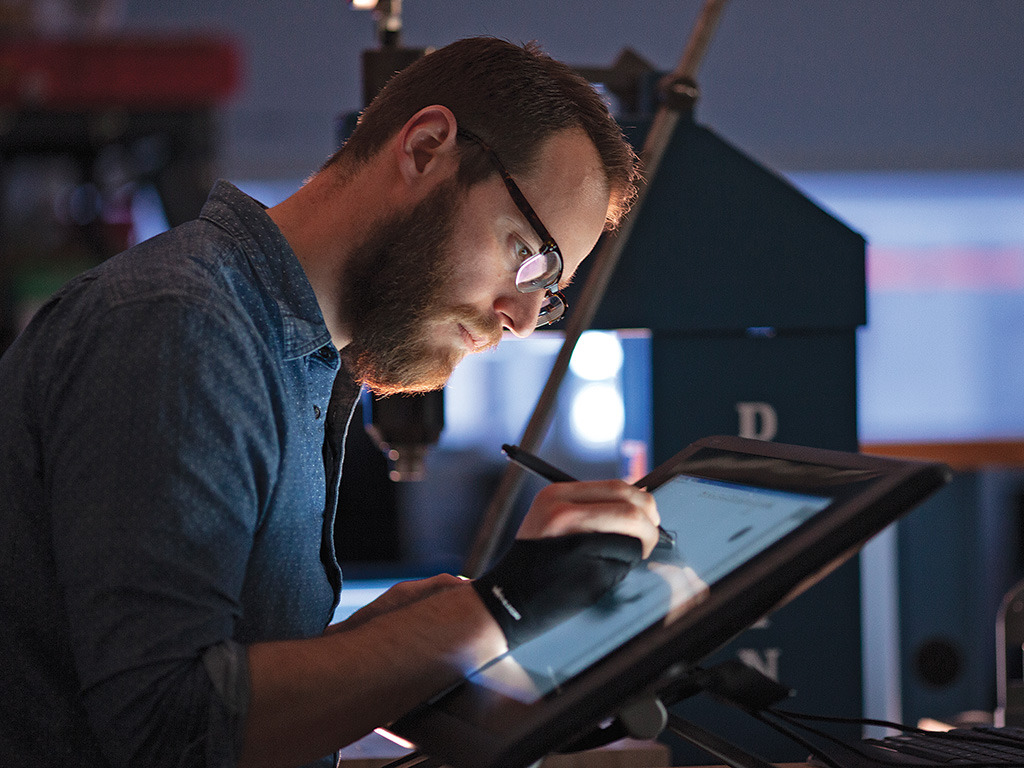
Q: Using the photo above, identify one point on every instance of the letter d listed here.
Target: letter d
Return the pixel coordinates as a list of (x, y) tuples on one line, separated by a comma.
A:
[(758, 421)]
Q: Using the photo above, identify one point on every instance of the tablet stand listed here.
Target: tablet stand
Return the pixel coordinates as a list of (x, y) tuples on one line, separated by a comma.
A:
[(646, 717), (715, 746)]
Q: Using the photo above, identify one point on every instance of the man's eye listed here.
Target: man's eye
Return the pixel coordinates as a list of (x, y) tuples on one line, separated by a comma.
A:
[(523, 251)]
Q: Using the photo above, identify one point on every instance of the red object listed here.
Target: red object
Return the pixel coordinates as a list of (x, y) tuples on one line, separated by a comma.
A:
[(150, 73)]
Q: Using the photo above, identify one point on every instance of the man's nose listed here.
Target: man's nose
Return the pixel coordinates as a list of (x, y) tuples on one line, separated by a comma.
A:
[(520, 311)]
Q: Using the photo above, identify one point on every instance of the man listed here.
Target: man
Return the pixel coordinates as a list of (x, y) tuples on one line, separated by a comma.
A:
[(173, 424)]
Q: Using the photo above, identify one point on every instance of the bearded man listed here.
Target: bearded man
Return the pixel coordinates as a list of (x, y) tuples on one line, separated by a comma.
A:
[(173, 424)]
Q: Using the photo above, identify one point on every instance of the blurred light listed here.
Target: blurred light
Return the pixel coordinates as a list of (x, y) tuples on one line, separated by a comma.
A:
[(363, 5), (84, 204), (148, 216), (635, 463), (929, 724), (395, 738), (597, 415), (597, 357)]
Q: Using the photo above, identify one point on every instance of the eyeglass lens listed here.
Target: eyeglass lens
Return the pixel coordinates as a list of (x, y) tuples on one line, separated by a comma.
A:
[(538, 272), (541, 272), (551, 310)]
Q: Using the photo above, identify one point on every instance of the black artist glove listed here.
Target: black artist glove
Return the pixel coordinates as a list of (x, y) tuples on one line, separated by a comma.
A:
[(541, 582)]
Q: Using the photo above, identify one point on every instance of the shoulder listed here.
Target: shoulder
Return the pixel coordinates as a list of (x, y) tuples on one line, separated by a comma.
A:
[(190, 279)]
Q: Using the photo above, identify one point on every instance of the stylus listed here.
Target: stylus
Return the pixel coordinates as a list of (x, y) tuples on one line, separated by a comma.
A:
[(553, 474)]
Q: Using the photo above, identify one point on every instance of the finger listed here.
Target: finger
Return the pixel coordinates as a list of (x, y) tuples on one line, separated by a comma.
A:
[(595, 490), (404, 593), (417, 589), (605, 506), (599, 491), (601, 517)]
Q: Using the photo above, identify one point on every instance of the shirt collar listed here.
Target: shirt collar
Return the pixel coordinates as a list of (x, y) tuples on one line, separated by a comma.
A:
[(276, 265)]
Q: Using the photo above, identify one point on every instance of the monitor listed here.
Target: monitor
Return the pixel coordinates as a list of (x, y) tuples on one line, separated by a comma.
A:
[(754, 523)]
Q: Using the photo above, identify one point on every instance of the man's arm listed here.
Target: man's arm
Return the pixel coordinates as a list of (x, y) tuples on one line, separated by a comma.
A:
[(309, 697), (160, 446)]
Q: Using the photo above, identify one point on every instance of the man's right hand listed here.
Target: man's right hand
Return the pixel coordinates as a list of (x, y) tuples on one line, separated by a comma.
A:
[(597, 506), (541, 582)]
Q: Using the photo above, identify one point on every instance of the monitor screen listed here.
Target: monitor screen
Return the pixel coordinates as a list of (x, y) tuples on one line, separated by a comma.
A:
[(716, 526)]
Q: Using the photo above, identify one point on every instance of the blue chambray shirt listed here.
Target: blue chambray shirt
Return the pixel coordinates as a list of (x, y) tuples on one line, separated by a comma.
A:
[(171, 435)]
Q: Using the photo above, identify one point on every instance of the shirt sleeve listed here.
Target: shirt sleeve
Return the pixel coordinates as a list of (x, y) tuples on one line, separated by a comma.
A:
[(160, 452)]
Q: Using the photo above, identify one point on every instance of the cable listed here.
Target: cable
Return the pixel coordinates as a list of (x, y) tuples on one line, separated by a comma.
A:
[(789, 733), (876, 758), (846, 720), (789, 717)]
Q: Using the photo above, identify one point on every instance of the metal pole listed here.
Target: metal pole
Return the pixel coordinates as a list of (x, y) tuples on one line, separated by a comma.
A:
[(680, 92)]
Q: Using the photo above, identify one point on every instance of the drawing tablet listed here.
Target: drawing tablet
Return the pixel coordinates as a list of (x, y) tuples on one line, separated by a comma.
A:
[(755, 524)]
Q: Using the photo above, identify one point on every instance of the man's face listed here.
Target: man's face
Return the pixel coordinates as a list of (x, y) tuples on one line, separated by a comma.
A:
[(397, 289), (434, 284)]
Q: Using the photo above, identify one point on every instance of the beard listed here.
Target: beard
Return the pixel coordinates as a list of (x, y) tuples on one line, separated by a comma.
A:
[(397, 284)]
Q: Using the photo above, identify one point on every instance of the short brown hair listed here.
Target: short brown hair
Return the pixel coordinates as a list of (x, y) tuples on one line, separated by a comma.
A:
[(511, 96)]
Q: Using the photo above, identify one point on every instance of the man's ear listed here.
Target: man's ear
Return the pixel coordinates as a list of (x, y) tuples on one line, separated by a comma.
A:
[(426, 146)]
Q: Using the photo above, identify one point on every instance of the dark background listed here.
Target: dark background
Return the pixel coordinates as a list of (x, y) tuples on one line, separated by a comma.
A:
[(799, 84)]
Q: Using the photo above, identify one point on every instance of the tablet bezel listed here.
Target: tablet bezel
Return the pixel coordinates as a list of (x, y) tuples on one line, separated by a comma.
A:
[(474, 726)]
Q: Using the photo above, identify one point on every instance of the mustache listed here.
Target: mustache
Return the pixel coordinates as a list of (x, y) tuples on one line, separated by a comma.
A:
[(485, 330)]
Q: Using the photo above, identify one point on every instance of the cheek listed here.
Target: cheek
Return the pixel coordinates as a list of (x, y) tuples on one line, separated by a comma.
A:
[(482, 271)]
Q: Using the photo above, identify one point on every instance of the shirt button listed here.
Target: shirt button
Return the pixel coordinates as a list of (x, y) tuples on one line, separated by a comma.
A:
[(316, 411)]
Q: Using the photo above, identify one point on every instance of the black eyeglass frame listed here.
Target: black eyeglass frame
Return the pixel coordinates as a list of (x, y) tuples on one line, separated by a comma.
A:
[(555, 304)]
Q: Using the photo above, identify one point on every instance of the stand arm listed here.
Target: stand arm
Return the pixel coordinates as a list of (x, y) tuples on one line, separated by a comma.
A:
[(715, 746)]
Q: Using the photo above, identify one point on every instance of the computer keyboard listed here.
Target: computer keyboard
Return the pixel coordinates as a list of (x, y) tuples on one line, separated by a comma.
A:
[(978, 746)]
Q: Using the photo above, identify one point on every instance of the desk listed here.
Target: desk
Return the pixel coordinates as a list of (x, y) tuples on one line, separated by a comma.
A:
[(374, 751)]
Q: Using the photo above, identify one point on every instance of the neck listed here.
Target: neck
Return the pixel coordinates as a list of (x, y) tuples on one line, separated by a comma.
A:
[(321, 222)]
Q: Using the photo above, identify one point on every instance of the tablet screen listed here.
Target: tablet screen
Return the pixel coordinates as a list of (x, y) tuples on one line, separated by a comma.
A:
[(716, 525)]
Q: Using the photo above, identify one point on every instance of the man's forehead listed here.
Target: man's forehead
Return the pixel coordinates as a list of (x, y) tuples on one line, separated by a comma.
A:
[(569, 191)]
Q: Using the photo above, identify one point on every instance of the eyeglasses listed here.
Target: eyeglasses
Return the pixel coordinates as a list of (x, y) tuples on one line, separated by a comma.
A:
[(539, 271)]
